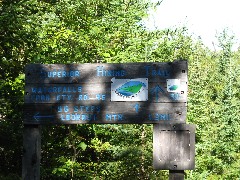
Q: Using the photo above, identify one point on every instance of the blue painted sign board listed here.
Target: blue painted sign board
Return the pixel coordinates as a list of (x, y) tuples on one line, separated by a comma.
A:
[(106, 93)]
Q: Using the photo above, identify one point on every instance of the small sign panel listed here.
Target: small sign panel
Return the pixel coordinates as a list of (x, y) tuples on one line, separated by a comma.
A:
[(129, 89), (174, 146), (173, 85)]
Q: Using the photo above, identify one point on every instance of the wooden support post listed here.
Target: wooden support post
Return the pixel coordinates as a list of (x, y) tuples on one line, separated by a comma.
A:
[(176, 174), (31, 152)]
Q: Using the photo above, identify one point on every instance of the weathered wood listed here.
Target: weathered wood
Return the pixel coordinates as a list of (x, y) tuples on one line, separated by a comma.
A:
[(140, 93), (31, 152), (54, 93), (131, 92), (115, 112), (174, 146), (176, 175), (85, 73)]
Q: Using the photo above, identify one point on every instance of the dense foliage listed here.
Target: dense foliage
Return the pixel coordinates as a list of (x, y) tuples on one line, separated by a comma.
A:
[(52, 31)]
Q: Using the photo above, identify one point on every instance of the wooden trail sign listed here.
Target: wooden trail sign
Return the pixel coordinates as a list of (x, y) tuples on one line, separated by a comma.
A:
[(111, 93), (106, 93)]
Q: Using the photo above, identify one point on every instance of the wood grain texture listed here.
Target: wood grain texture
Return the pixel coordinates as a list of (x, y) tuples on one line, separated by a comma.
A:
[(50, 87), (85, 73), (31, 152), (116, 113), (53, 93), (174, 147), (176, 175)]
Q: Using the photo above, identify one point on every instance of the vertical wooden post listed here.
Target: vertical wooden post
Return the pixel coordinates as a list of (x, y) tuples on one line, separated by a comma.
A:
[(176, 174), (31, 152)]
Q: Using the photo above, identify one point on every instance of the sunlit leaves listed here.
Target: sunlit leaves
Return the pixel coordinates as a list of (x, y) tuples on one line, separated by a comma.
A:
[(111, 31)]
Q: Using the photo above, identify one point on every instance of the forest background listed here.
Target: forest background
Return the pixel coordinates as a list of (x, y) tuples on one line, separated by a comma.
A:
[(93, 31)]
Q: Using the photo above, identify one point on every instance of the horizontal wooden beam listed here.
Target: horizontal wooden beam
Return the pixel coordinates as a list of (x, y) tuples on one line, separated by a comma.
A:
[(86, 73), (95, 92), (100, 113)]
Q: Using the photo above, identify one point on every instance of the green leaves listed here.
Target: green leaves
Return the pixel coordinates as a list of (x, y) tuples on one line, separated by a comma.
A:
[(213, 107), (111, 31), (83, 146)]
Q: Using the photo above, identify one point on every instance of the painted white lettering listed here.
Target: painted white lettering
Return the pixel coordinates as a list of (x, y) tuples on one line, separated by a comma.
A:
[(105, 72), (78, 117), (151, 71), (62, 73), (113, 117), (159, 117)]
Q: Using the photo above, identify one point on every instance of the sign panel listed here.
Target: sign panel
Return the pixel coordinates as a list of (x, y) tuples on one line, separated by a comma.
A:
[(174, 146), (106, 93)]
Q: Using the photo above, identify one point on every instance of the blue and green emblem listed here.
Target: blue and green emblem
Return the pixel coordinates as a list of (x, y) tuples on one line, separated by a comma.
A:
[(130, 89), (173, 87)]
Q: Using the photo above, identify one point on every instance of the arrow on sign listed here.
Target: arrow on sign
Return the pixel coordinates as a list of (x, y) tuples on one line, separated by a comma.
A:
[(156, 91), (136, 107), (37, 117)]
